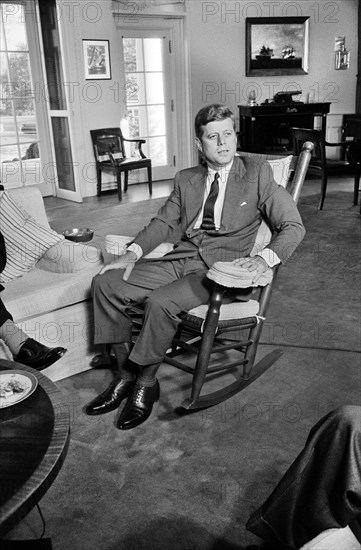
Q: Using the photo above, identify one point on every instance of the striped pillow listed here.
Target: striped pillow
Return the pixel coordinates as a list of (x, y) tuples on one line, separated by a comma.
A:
[(25, 239)]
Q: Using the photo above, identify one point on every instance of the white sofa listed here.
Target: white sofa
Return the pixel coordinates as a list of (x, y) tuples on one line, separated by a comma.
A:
[(51, 302)]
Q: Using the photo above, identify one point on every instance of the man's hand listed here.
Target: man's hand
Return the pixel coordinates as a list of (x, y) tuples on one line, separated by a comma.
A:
[(256, 264), (126, 262)]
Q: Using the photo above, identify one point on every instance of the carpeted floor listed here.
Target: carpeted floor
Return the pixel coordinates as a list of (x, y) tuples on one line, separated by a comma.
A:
[(190, 481)]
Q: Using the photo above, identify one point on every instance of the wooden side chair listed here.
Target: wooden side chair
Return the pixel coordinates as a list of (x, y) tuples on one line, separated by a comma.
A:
[(110, 157), (228, 322), (320, 164), (351, 132)]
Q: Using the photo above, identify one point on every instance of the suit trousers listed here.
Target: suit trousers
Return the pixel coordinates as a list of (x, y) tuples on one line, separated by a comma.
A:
[(165, 288), (322, 488)]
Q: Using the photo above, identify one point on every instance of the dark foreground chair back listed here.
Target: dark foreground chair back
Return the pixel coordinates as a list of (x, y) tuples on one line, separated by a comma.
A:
[(216, 333), (320, 164), (110, 157)]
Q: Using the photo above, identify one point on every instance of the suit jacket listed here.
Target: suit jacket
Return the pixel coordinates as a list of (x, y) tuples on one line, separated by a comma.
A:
[(2, 256), (251, 194), (2, 253)]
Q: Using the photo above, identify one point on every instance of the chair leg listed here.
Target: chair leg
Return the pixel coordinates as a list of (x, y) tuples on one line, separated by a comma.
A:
[(125, 181), (205, 349), (250, 371), (119, 184), (323, 190), (356, 186), (99, 182), (104, 359), (149, 170)]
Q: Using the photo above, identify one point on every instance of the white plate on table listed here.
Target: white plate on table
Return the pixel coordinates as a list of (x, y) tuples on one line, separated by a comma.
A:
[(15, 386)]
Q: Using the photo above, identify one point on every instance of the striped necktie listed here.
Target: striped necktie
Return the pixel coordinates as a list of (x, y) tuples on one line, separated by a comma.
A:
[(208, 211)]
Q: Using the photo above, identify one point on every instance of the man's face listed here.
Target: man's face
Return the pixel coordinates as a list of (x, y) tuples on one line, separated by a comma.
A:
[(218, 142)]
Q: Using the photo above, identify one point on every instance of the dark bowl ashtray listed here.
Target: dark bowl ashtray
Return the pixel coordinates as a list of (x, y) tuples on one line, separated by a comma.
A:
[(79, 234)]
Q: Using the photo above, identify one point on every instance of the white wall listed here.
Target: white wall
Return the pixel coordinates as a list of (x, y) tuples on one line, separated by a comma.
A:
[(217, 47), (216, 40), (217, 52)]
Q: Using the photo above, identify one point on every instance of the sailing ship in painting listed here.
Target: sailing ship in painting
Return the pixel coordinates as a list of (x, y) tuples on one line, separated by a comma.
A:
[(283, 58), (288, 52)]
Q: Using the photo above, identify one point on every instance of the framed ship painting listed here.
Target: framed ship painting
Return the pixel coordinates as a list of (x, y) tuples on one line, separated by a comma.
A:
[(277, 46)]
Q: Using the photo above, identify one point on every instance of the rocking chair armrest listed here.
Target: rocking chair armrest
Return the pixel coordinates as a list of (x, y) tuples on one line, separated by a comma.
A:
[(112, 159), (339, 144), (140, 142), (136, 140)]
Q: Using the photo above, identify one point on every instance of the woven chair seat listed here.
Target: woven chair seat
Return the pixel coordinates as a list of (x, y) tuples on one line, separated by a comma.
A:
[(235, 314), (235, 310)]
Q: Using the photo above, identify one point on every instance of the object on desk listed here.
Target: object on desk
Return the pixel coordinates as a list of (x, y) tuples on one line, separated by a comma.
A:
[(252, 98), (79, 234), (286, 97), (310, 97), (15, 386)]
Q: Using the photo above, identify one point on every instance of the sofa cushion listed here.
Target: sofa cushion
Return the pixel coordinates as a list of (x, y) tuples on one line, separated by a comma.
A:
[(69, 257), (25, 239), (42, 291), (31, 200)]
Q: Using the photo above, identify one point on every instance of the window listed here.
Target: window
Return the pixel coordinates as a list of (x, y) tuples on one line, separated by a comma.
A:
[(19, 146)]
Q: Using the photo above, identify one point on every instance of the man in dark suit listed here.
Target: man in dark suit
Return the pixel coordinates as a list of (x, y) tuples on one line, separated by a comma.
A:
[(216, 208), (25, 350), (317, 503)]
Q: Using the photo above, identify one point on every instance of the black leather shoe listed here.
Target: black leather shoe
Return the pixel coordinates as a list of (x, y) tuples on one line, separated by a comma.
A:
[(36, 355), (111, 398), (138, 407)]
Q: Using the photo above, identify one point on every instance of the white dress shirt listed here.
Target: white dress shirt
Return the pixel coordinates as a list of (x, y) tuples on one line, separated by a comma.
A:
[(218, 206)]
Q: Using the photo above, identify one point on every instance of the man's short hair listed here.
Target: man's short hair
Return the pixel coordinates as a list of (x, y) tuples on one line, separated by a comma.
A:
[(211, 113)]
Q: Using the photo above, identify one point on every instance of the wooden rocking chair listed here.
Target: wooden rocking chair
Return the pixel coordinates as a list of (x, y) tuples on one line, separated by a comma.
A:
[(215, 328)]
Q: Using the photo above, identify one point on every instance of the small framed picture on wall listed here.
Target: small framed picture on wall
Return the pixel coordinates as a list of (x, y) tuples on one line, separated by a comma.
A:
[(96, 59)]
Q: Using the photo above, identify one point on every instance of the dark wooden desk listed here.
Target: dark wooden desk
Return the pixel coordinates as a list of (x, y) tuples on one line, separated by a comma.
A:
[(34, 438), (267, 128)]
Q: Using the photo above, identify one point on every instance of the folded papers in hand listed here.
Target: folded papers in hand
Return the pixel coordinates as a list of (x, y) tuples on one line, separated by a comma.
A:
[(231, 275)]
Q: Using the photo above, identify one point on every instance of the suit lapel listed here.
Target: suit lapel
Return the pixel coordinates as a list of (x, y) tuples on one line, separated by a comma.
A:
[(234, 191), (194, 195)]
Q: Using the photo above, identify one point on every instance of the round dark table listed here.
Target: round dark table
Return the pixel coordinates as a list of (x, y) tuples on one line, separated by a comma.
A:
[(34, 439)]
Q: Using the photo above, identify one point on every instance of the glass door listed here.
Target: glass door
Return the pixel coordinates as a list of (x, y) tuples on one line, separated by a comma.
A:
[(60, 120), (149, 97), (35, 127)]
